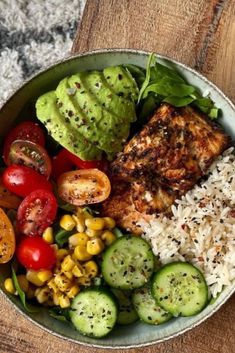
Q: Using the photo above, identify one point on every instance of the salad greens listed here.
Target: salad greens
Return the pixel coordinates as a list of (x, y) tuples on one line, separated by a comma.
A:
[(160, 83)]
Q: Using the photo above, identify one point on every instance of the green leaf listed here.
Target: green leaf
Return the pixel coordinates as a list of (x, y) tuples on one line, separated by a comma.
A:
[(151, 60), (214, 113), (159, 71), (168, 87), (116, 231), (147, 107), (137, 72), (178, 102), (59, 314), (27, 307), (62, 236)]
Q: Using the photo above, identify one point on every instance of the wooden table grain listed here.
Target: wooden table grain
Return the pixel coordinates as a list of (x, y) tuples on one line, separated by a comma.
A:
[(199, 33)]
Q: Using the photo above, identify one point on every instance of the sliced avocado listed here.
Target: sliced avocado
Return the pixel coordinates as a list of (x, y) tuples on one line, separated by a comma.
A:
[(98, 86), (110, 128), (121, 81), (61, 130)]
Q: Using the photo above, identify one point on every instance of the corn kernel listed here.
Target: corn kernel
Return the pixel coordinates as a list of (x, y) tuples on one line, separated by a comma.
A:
[(47, 235), (55, 297), (91, 269), (9, 286), (86, 214), (64, 302), (93, 233), (32, 277), (78, 271), (44, 275), (84, 281), (23, 282), (67, 264), (109, 222), (30, 294), (74, 290), (78, 239), (95, 223), (51, 284), (95, 246), (81, 254), (61, 253), (42, 294), (80, 223), (62, 282), (108, 237), (67, 222), (68, 274)]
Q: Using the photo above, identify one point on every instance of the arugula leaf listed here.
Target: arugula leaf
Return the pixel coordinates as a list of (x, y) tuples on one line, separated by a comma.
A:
[(22, 296), (151, 60), (62, 236), (59, 314)]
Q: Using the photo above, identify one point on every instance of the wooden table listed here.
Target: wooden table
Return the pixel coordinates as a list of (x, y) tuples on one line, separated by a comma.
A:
[(200, 33)]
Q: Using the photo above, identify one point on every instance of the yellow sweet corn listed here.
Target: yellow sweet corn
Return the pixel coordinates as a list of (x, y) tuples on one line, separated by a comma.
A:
[(44, 275), (9, 286), (23, 282), (67, 222), (81, 254), (62, 282), (61, 253), (55, 297), (67, 264), (80, 223), (78, 239), (93, 233), (91, 269), (108, 237), (47, 235), (32, 277), (74, 290), (86, 214), (84, 281), (78, 271), (95, 246), (95, 223), (51, 284), (68, 274), (64, 301), (42, 294), (109, 222)]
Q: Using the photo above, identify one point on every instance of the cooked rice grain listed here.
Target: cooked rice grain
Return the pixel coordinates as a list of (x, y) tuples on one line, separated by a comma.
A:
[(202, 228)]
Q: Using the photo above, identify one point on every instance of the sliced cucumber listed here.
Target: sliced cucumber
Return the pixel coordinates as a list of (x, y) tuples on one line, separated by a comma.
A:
[(180, 288), (147, 308), (94, 312), (128, 263), (126, 312)]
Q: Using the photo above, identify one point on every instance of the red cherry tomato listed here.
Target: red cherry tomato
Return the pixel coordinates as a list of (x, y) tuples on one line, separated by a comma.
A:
[(23, 180), (36, 212), (36, 254), (101, 165), (28, 130), (61, 164), (31, 155)]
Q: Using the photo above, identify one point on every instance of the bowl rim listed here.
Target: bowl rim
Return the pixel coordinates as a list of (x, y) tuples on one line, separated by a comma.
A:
[(99, 52)]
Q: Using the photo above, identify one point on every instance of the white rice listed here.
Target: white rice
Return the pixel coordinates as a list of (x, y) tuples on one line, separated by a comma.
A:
[(202, 228)]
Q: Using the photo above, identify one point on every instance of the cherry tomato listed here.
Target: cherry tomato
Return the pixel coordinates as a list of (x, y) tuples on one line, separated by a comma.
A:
[(101, 165), (36, 254), (28, 130), (7, 198), (23, 180), (82, 187), (7, 238), (36, 212), (31, 155), (61, 164)]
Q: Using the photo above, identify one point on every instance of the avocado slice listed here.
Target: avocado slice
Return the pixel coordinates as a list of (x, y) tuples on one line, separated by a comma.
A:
[(61, 129), (121, 81), (98, 86), (111, 129)]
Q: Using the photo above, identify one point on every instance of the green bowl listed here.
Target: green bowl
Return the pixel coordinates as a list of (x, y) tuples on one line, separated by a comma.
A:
[(19, 106)]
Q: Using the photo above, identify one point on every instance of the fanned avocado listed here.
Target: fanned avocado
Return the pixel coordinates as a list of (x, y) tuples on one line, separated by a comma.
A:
[(61, 130), (107, 97), (121, 81)]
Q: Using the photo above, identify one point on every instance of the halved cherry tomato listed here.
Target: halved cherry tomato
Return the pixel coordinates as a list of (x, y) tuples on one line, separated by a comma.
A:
[(101, 165), (36, 254), (23, 180), (36, 212), (7, 198), (84, 186), (7, 238), (31, 155), (28, 130), (61, 164)]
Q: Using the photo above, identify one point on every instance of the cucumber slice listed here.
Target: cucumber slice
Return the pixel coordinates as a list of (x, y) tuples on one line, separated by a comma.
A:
[(126, 312), (128, 263), (147, 308), (180, 288), (94, 312)]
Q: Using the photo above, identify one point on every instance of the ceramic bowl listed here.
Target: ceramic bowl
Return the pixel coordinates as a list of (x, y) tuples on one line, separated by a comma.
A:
[(19, 106)]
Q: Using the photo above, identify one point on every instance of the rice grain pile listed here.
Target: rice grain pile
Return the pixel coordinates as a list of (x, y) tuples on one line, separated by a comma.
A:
[(202, 227)]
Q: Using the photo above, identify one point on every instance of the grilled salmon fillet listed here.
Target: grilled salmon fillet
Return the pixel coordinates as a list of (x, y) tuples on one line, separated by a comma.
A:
[(161, 163)]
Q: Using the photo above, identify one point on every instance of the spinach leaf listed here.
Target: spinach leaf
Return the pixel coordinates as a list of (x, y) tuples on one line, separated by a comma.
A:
[(62, 236), (59, 314), (151, 60), (137, 72), (178, 102), (22, 296)]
